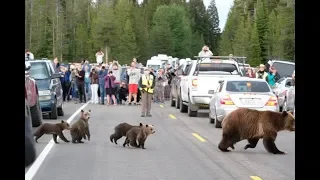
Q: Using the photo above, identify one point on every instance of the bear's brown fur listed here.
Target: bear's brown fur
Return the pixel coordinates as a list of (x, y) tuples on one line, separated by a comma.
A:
[(80, 129), (253, 125), (139, 134), (121, 130), (54, 129)]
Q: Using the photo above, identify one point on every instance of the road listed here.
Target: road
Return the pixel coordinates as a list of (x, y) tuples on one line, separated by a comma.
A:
[(182, 148)]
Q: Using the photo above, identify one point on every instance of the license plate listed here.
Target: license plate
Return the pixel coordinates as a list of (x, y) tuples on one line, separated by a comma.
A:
[(248, 101)]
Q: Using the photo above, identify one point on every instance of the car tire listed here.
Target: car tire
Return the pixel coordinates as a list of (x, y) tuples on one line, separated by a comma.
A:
[(190, 112), (172, 102), (60, 111), (177, 104), (217, 123), (36, 114), (211, 120), (54, 111), (183, 107)]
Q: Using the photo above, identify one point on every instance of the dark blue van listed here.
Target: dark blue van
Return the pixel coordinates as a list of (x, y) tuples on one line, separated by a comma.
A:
[(49, 87)]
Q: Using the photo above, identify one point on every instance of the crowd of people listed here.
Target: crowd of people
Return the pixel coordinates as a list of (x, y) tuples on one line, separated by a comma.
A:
[(107, 84)]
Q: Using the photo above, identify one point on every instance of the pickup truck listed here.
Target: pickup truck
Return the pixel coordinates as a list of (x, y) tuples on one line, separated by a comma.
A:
[(200, 79)]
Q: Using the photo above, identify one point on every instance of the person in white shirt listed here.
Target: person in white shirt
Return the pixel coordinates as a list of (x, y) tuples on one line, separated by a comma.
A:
[(205, 52), (28, 55), (99, 57)]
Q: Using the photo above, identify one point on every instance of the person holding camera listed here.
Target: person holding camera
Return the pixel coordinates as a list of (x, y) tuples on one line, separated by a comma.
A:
[(65, 82), (205, 52), (28, 55), (146, 83), (94, 80), (159, 87), (110, 87)]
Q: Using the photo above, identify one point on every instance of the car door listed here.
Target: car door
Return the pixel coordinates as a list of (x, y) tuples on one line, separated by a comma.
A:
[(291, 97), (56, 84), (184, 83)]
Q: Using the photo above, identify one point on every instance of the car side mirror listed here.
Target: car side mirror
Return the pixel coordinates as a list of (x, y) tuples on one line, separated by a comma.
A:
[(56, 75), (27, 65)]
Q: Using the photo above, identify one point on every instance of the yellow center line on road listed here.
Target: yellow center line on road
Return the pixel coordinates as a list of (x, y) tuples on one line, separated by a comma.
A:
[(255, 178), (198, 137), (161, 105), (172, 116)]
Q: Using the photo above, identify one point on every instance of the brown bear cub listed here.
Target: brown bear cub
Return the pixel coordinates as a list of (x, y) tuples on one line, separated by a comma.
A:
[(138, 134), (54, 129), (80, 129), (121, 130), (253, 125)]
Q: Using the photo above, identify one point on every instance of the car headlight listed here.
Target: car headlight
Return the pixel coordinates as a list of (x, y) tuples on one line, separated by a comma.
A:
[(44, 98), (45, 93)]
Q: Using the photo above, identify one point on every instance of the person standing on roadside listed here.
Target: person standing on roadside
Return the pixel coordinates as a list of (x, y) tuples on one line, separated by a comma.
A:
[(87, 82), (261, 74), (116, 71), (28, 55), (65, 83), (94, 79), (159, 86), (110, 88), (99, 57), (250, 73), (102, 73), (134, 76), (147, 83), (80, 82), (273, 77), (56, 63)]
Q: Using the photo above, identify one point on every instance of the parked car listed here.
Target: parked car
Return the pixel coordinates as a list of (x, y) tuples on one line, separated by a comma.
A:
[(32, 97), (200, 78), (50, 90), (175, 85), (281, 91), (290, 99), (233, 93)]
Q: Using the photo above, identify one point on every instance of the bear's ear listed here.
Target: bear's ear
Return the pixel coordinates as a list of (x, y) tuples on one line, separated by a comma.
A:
[(147, 125), (141, 124), (82, 110), (89, 110), (284, 113), (62, 121)]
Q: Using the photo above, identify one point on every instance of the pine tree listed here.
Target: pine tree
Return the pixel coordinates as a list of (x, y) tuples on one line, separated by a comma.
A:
[(241, 39), (261, 20), (255, 53), (161, 39), (214, 30), (128, 47), (272, 36)]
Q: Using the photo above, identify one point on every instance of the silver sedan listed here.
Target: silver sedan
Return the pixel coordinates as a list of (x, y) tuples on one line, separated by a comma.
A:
[(240, 93), (281, 90)]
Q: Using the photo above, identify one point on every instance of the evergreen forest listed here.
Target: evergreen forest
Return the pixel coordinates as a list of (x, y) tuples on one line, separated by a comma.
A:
[(73, 30)]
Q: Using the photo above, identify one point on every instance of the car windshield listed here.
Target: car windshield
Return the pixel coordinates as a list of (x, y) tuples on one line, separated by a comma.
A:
[(217, 68), (155, 67), (247, 86), (284, 69), (39, 70)]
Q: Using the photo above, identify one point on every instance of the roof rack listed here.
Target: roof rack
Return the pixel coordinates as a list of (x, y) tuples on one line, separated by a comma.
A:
[(235, 58)]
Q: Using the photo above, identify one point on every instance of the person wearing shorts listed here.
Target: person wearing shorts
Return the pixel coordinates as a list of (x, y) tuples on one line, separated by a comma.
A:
[(134, 77)]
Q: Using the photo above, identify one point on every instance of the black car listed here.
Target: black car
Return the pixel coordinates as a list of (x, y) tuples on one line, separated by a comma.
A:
[(49, 87)]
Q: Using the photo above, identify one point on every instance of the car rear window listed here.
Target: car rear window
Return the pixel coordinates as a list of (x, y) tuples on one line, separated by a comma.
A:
[(39, 70), (247, 86), (284, 69), (217, 68)]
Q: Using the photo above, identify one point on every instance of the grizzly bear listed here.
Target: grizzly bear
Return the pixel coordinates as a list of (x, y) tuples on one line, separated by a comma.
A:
[(121, 130), (253, 125), (54, 129), (139, 134), (80, 129)]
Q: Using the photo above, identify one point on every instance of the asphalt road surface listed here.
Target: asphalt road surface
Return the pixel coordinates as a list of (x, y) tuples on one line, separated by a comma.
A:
[(182, 148)]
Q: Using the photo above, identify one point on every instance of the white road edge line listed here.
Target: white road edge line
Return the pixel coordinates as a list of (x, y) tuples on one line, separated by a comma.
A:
[(37, 163)]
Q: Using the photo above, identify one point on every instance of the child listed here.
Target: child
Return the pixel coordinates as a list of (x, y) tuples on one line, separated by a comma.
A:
[(123, 92)]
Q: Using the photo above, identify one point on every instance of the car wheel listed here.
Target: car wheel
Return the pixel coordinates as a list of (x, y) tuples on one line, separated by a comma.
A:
[(211, 120), (172, 102), (217, 123), (190, 112), (54, 111), (36, 114), (60, 111), (177, 104), (183, 107), (285, 107)]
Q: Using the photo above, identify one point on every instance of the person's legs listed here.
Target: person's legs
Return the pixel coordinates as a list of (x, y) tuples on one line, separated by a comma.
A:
[(80, 91), (161, 94), (92, 94), (143, 103), (81, 85), (102, 93), (148, 103), (95, 92), (134, 92), (130, 86)]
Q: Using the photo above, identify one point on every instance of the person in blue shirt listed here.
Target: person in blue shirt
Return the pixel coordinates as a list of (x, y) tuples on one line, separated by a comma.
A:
[(273, 77), (65, 82), (102, 73)]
